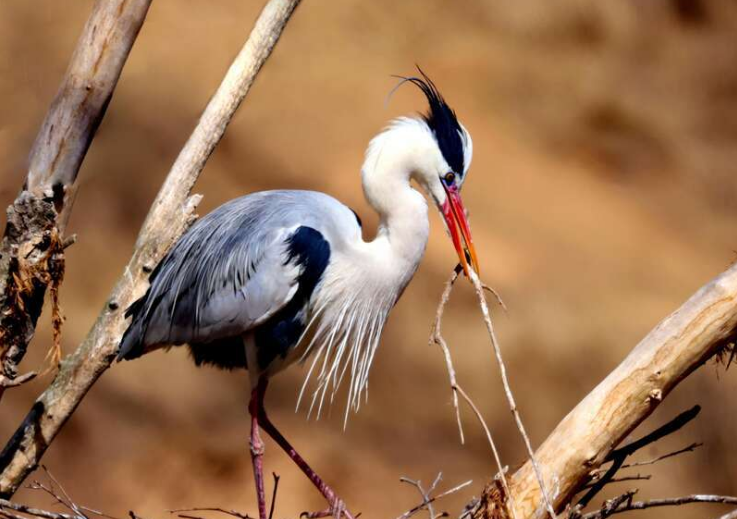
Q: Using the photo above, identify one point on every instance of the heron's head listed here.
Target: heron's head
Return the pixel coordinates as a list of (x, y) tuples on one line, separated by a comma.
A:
[(444, 168)]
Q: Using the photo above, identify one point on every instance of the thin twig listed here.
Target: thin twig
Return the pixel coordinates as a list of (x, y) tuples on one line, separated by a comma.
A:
[(425, 494), (653, 461), (508, 390), (273, 496), (618, 456), (690, 448), (437, 338), (4, 504), (628, 505), (233, 513), (636, 477), (413, 511), (664, 430), (6, 382), (496, 296)]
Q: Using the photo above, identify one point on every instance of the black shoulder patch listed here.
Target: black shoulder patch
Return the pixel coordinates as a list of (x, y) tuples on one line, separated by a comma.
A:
[(280, 333), (312, 253)]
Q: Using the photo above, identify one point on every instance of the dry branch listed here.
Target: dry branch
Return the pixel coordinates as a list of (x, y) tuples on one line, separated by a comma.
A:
[(624, 503), (618, 456), (170, 215), (670, 352), (32, 251), (436, 337), (540, 481), (427, 499)]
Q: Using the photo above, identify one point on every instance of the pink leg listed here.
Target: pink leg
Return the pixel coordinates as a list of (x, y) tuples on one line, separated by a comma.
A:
[(336, 505), (257, 454)]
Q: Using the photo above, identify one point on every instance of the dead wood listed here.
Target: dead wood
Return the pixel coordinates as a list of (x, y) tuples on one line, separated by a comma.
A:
[(170, 215), (585, 439), (32, 251)]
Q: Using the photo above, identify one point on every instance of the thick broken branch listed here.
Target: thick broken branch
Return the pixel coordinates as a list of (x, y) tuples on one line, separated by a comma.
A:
[(670, 352), (32, 253), (170, 215)]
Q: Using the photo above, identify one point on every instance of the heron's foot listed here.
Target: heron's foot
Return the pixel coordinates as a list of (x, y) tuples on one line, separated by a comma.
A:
[(336, 510)]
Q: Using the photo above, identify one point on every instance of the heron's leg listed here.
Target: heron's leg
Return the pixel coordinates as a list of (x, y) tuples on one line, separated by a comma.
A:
[(337, 507), (257, 448)]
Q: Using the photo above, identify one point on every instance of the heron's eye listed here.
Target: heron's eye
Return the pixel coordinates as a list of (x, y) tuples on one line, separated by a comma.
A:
[(449, 178)]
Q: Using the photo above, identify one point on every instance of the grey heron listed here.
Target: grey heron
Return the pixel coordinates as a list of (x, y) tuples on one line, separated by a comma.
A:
[(282, 276)]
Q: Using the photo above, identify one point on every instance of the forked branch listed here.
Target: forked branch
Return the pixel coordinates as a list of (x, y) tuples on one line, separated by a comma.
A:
[(170, 215), (32, 250)]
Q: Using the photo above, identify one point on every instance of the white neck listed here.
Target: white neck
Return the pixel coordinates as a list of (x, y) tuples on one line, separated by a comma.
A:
[(350, 321), (392, 159)]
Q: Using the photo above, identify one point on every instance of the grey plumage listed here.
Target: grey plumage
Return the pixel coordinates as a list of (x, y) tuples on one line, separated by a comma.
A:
[(230, 272)]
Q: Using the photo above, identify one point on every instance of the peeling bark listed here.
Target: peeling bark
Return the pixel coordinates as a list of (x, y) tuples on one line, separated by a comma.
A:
[(31, 254)]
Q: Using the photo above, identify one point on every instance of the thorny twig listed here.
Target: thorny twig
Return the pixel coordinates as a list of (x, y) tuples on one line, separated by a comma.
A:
[(508, 390), (426, 502), (437, 338)]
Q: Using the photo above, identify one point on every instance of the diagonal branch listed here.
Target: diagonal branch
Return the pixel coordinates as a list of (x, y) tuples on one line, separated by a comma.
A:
[(682, 342), (32, 250), (170, 215)]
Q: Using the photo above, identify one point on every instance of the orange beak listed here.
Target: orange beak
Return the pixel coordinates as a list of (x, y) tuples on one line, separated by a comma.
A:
[(455, 217)]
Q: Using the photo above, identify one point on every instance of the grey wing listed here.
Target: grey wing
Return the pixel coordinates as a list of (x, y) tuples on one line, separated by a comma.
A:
[(226, 275)]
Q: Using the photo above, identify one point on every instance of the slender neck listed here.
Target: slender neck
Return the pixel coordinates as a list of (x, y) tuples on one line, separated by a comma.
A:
[(390, 163)]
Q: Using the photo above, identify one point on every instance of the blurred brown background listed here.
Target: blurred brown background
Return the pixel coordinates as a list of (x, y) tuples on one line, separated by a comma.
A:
[(603, 193)]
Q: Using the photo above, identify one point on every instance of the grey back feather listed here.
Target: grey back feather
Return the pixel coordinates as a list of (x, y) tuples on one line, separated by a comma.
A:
[(228, 273)]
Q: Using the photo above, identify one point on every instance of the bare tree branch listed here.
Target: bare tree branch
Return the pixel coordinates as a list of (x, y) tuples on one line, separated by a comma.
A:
[(546, 499), (624, 503), (170, 215), (32, 251), (653, 461), (233, 513), (425, 494), (7, 505), (437, 338), (618, 456), (428, 500), (636, 477), (273, 495), (586, 437)]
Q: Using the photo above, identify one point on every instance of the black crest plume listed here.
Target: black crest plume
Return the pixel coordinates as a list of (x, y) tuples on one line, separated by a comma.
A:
[(442, 121)]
